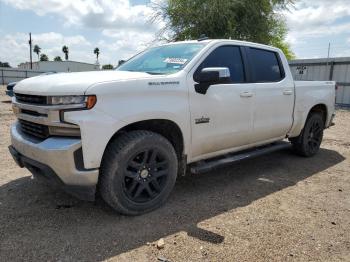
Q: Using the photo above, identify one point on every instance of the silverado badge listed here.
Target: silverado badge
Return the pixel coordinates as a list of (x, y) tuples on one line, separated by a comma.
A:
[(202, 120)]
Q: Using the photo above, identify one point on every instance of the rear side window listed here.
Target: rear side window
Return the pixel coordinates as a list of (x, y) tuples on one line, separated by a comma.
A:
[(265, 66), (225, 56)]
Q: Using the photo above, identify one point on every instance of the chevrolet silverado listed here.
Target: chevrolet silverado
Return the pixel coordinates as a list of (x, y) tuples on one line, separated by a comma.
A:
[(128, 133)]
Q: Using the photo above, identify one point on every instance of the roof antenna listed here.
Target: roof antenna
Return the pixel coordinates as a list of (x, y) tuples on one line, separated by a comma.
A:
[(202, 37)]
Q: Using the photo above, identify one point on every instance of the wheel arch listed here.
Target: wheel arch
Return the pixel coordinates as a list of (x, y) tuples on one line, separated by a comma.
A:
[(319, 108), (164, 127), (301, 116)]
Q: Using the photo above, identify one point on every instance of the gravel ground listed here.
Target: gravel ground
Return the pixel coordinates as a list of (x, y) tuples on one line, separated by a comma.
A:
[(279, 207)]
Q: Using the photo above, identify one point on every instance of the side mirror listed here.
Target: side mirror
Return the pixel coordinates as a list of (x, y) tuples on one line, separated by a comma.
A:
[(120, 62), (211, 76)]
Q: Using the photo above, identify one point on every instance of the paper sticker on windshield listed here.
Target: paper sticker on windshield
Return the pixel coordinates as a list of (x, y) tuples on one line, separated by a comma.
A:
[(174, 60)]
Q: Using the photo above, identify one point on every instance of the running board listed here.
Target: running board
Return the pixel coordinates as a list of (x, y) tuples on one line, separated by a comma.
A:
[(227, 159)]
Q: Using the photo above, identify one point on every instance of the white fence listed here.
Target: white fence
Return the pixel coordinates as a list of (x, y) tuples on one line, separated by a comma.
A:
[(8, 75)]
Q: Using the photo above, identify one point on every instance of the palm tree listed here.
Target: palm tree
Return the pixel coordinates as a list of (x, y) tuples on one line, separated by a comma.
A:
[(37, 50), (65, 50), (97, 52)]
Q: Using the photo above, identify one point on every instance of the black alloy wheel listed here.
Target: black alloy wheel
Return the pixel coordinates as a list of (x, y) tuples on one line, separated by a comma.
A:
[(146, 175), (138, 172), (309, 141), (314, 135)]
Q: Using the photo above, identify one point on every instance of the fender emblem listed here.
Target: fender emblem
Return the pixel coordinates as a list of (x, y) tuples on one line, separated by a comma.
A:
[(164, 83), (202, 120)]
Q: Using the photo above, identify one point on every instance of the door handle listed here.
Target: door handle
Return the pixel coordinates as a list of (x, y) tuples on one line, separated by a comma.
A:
[(287, 92), (246, 94)]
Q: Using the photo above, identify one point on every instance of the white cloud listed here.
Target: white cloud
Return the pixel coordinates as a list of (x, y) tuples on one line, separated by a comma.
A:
[(316, 18), (316, 13), (101, 14), (15, 49), (125, 44), (125, 29), (310, 21), (56, 38)]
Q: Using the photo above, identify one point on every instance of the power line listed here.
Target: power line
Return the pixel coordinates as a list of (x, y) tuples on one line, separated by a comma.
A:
[(317, 47)]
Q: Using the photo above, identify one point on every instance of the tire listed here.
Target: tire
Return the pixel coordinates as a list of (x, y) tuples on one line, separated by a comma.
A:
[(308, 143), (138, 172)]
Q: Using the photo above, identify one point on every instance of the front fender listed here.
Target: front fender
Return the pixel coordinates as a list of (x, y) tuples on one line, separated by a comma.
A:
[(97, 129), (117, 109)]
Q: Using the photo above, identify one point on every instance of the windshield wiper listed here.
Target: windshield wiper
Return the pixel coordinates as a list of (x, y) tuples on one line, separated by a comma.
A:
[(154, 73), (147, 72)]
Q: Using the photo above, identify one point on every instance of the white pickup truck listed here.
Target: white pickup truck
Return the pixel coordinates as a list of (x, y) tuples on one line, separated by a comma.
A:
[(129, 132)]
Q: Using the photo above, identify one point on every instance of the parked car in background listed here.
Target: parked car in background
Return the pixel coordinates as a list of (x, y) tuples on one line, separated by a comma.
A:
[(10, 86), (128, 133)]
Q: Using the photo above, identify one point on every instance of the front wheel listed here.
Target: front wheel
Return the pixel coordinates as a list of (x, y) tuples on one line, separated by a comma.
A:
[(308, 142), (138, 172)]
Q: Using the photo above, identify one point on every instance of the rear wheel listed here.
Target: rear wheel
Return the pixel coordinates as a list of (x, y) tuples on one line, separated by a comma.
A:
[(308, 142), (138, 172)]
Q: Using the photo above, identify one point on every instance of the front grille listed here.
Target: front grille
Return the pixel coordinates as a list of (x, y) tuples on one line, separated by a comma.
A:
[(37, 130), (31, 99)]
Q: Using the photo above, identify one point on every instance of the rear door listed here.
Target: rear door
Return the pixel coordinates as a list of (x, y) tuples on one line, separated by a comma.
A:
[(274, 95)]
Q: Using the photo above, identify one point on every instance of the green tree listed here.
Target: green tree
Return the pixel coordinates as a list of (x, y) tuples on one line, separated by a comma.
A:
[(37, 50), (97, 52), (279, 41), (65, 50), (44, 57), (107, 67), (249, 20), (4, 64), (57, 58)]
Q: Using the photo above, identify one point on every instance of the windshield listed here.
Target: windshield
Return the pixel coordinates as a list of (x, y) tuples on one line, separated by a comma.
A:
[(166, 59)]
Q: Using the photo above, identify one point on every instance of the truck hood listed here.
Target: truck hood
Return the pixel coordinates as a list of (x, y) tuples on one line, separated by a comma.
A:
[(72, 83)]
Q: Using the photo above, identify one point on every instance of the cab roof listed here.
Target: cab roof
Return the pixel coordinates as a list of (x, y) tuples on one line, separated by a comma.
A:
[(214, 41)]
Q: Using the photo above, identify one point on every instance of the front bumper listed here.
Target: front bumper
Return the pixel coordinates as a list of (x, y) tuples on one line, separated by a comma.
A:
[(56, 158)]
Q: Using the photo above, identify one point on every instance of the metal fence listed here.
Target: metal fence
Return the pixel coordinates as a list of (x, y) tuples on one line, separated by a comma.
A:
[(8, 75), (334, 69)]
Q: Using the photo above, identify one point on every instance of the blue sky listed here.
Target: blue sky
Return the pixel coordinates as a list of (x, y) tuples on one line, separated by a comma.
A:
[(121, 28)]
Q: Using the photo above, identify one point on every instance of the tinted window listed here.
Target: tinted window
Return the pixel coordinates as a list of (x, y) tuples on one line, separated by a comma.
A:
[(225, 56), (265, 65)]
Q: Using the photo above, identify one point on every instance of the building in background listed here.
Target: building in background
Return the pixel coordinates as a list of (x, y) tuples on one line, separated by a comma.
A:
[(323, 69), (60, 66), (8, 75)]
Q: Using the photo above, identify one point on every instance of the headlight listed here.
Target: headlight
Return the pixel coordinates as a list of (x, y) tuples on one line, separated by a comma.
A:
[(86, 101), (66, 100)]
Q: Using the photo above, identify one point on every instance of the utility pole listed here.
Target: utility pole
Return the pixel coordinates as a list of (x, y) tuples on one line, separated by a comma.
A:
[(30, 50), (329, 49)]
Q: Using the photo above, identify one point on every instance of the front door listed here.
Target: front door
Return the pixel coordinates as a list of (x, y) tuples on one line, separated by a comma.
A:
[(221, 119)]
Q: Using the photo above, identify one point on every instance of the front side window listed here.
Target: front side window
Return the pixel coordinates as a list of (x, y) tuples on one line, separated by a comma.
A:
[(162, 60), (225, 56), (265, 65)]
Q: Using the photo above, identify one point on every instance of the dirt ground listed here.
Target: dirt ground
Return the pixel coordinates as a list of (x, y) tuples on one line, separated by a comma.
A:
[(279, 207)]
